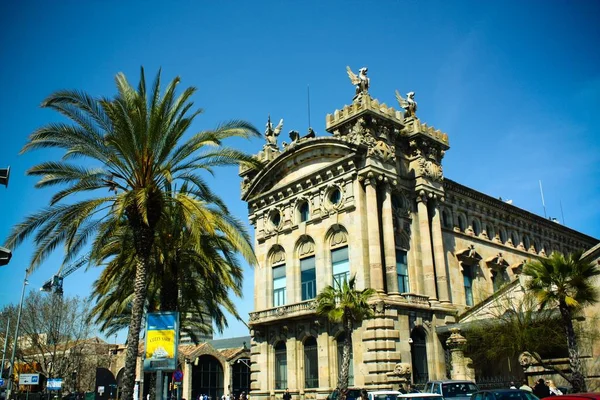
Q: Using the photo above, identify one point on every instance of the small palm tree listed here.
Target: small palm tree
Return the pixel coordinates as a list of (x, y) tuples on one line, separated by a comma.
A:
[(348, 306), (133, 146), (566, 282)]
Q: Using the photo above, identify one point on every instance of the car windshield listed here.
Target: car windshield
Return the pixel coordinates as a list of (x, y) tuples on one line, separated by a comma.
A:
[(458, 389), (388, 396)]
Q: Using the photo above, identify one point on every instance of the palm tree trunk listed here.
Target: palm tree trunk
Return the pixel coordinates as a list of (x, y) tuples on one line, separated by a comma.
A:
[(133, 337), (577, 378), (343, 376)]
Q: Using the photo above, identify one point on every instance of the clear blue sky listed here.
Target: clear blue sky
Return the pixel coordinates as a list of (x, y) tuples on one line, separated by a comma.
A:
[(516, 85)]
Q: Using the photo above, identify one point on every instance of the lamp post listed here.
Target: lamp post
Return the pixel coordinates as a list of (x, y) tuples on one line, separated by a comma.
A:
[(16, 339), (5, 344)]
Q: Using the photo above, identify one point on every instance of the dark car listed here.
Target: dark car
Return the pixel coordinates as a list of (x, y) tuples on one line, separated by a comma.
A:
[(504, 394), (351, 394)]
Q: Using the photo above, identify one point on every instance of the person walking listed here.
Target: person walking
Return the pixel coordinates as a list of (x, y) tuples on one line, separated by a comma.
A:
[(287, 395), (540, 389)]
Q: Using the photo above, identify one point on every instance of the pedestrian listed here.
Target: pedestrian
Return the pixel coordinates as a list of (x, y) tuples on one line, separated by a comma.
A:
[(411, 389), (540, 389), (287, 395), (243, 396), (512, 386), (525, 386), (401, 389), (364, 395), (554, 391)]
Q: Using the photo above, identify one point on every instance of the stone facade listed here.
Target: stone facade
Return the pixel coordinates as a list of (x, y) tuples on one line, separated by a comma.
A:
[(374, 190)]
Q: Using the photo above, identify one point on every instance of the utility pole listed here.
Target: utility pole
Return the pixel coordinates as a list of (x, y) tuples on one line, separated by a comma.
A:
[(16, 339)]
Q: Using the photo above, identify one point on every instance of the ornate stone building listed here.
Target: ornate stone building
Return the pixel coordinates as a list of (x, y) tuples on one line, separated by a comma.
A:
[(370, 200)]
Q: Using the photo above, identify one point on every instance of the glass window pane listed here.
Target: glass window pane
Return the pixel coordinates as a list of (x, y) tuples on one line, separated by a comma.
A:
[(279, 272), (311, 366), (402, 271), (280, 366)]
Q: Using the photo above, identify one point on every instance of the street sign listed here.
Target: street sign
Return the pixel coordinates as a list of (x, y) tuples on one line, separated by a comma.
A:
[(178, 376), (29, 379), (54, 384)]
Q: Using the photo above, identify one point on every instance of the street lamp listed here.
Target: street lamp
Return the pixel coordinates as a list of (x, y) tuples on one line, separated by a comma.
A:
[(5, 344), (16, 338)]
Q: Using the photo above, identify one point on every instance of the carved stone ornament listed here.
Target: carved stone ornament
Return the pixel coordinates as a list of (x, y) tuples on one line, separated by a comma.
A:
[(338, 238), (360, 81), (456, 341), (526, 359), (430, 169), (305, 248), (469, 255), (383, 151), (402, 369), (497, 263), (281, 311), (278, 257)]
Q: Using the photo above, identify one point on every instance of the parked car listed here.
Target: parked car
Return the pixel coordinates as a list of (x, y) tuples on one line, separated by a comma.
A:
[(352, 394), (421, 396), (450, 389), (581, 396), (383, 395), (504, 394)]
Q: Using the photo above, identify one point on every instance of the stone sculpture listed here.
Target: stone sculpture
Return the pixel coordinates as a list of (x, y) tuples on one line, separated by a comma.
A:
[(409, 104), (360, 81), (271, 134)]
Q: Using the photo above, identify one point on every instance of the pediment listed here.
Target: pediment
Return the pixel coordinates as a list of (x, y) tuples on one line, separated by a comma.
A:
[(497, 262), (299, 163), (469, 255)]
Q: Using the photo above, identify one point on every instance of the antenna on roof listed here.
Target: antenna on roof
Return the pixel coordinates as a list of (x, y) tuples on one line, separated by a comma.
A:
[(308, 105), (543, 203), (562, 214)]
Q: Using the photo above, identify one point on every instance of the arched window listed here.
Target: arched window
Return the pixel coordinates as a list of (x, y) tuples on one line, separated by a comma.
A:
[(280, 366), (503, 236), (304, 211), (402, 271), (340, 356), (489, 229), (446, 219), (462, 223), (514, 238), (476, 227), (526, 242), (340, 264), (311, 363), (418, 349), (468, 284)]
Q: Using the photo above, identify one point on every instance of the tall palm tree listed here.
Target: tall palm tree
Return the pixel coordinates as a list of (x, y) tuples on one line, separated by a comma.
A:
[(566, 282), (133, 146), (346, 305)]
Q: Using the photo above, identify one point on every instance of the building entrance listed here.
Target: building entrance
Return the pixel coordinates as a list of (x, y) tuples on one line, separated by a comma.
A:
[(418, 349), (207, 378)]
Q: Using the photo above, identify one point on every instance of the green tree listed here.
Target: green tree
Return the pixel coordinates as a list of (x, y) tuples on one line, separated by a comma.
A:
[(566, 282), (346, 305), (133, 145)]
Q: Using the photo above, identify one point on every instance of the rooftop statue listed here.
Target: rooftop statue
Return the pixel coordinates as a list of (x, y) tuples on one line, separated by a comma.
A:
[(409, 104), (361, 81), (270, 133)]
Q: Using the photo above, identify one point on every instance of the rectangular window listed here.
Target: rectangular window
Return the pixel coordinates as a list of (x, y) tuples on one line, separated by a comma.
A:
[(280, 368), (402, 271), (308, 278), (340, 266), (279, 284), (468, 283)]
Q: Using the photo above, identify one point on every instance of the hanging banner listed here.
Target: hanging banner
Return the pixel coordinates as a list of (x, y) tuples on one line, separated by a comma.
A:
[(162, 339)]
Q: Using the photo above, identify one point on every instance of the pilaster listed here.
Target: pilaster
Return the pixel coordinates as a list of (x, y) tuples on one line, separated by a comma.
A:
[(389, 245), (375, 267), (438, 254), (425, 239)]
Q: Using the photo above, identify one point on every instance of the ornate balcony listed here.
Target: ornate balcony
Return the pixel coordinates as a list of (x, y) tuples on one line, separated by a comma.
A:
[(308, 307)]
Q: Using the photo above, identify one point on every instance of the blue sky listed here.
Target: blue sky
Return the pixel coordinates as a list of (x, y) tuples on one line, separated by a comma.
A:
[(516, 85)]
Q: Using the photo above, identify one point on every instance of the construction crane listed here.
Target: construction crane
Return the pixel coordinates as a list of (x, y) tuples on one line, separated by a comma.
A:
[(55, 284)]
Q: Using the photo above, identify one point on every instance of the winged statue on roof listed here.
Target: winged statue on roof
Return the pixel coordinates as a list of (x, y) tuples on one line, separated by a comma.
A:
[(409, 104), (272, 133), (360, 81)]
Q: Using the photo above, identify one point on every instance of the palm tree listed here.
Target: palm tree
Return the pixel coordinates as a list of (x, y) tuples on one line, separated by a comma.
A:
[(131, 145), (348, 306), (566, 282)]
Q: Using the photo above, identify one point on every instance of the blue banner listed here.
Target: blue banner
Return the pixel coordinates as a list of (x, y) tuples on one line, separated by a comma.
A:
[(162, 339)]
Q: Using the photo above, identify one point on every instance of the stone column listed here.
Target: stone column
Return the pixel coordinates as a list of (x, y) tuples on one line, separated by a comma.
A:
[(425, 239), (438, 255), (460, 369), (389, 243), (187, 380), (375, 269)]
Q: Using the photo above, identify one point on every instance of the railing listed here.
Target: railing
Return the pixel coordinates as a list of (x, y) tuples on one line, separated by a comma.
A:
[(304, 307), (416, 298), (497, 382)]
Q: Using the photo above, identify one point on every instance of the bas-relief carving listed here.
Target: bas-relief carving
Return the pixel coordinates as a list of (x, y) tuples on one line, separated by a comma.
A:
[(307, 247)]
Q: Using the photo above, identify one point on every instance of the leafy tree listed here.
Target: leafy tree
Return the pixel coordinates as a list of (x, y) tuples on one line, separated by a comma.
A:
[(565, 282), (346, 305), (54, 336), (134, 143)]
